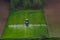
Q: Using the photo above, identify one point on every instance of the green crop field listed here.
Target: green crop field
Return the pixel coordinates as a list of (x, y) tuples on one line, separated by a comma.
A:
[(15, 25)]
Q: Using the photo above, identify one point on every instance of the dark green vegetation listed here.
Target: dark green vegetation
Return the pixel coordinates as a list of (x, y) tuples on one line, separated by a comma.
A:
[(26, 4)]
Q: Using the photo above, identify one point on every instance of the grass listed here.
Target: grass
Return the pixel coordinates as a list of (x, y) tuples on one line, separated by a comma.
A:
[(18, 17)]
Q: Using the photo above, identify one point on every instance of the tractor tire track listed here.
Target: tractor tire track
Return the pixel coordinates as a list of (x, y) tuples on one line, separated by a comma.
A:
[(3, 16), (52, 13)]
